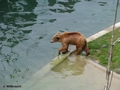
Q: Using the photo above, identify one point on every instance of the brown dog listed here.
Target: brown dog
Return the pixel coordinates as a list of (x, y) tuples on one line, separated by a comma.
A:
[(74, 38)]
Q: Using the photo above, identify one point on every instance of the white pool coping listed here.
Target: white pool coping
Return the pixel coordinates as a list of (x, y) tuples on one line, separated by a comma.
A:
[(103, 32)]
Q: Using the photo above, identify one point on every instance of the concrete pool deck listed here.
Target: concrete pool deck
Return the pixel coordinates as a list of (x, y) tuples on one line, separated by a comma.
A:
[(72, 73)]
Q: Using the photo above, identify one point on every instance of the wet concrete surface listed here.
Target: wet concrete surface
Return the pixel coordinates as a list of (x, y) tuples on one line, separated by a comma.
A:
[(73, 73)]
